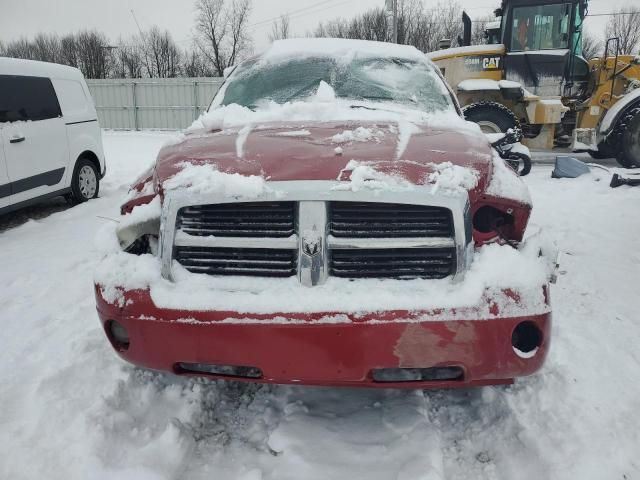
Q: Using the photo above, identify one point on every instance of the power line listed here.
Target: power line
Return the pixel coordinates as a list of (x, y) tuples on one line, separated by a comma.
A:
[(294, 12), (611, 14), (302, 14)]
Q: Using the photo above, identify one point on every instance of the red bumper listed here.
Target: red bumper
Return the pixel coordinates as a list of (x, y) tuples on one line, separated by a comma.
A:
[(307, 352)]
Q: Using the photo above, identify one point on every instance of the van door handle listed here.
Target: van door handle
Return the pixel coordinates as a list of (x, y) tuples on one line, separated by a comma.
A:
[(16, 139)]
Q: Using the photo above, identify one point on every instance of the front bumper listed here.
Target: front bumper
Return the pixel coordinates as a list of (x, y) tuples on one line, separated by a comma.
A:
[(325, 348)]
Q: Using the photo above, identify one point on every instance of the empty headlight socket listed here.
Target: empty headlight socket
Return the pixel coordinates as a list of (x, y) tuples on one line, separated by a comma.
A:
[(489, 219)]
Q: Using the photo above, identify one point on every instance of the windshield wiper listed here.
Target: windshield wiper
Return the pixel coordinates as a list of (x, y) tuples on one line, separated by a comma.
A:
[(366, 107), (384, 98)]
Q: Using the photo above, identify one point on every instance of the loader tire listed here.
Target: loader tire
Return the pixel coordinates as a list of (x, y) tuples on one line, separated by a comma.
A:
[(493, 117), (628, 130), (604, 151)]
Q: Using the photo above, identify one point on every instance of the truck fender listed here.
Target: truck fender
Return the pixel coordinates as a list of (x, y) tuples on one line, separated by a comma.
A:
[(615, 113)]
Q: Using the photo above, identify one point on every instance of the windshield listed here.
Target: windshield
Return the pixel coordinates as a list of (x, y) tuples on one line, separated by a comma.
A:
[(376, 79), (540, 27)]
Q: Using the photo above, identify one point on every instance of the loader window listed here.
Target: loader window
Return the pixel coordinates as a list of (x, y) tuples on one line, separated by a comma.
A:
[(544, 27)]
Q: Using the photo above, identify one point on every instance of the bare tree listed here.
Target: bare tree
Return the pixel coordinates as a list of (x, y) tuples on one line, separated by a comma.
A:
[(418, 26), (128, 61), (20, 48), (69, 50), (194, 64), (591, 45), (94, 54), (625, 24), (280, 28), (160, 54), (478, 30), (47, 48), (222, 31)]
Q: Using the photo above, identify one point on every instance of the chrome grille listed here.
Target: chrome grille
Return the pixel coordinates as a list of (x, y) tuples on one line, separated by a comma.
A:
[(318, 232), (393, 263), (256, 219), (261, 262), (388, 220)]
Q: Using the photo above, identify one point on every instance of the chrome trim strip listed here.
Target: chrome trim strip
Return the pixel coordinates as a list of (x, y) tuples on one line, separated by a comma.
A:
[(312, 252), (182, 239), (418, 242)]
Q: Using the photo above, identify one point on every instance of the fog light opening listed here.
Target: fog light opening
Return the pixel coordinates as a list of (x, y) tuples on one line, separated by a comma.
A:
[(219, 370), (118, 335), (526, 339), (433, 374)]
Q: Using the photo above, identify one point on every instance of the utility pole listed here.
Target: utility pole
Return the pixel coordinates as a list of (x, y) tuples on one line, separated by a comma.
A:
[(392, 9), (395, 21)]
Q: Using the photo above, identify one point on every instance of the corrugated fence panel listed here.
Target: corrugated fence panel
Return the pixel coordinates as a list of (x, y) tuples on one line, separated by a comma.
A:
[(153, 103)]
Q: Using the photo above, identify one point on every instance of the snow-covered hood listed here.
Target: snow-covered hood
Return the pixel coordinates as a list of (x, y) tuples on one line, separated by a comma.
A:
[(285, 151)]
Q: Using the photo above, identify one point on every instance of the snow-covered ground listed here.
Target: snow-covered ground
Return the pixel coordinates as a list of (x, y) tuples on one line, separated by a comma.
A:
[(69, 408)]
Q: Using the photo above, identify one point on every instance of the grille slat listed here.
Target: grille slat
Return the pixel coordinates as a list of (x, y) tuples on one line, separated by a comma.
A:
[(253, 219), (238, 261), (393, 263), (366, 240), (388, 220)]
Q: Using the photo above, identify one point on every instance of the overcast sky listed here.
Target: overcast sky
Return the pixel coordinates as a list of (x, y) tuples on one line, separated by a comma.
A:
[(113, 17)]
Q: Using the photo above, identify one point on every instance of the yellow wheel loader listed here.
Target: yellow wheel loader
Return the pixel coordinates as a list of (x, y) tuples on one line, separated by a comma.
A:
[(537, 80)]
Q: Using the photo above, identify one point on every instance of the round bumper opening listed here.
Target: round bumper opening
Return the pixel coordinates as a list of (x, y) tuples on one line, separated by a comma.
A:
[(526, 339), (118, 335)]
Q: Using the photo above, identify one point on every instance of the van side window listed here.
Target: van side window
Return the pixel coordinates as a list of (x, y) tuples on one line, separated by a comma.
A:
[(27, 98)]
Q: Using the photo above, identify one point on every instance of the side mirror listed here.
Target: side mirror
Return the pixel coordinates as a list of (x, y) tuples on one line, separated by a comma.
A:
[(498, 12), (444, 44)]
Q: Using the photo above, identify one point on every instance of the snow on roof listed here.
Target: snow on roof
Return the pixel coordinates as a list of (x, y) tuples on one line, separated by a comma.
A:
[(450, 52), (617, 108), (338, 47), (32, 68)]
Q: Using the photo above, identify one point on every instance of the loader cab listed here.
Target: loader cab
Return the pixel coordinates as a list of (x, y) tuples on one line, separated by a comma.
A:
[(543, 43)]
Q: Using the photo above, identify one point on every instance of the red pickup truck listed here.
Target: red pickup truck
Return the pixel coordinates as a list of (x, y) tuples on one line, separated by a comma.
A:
[(331, 220)]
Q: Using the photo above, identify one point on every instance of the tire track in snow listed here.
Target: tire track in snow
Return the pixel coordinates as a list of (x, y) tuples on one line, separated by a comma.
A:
[(480, 435)]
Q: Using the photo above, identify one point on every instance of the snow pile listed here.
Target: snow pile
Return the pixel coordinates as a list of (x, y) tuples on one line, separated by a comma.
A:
[(206, 179), (360, 134), (294, 133), (338, 48), (447, 176), (325, 93), (235, 116), (71, 409), (364, 176), (475, 84), (405, 130), (520, 148), (506, 183), (618, 107), (142, 213), (495, 268), (241, 139)]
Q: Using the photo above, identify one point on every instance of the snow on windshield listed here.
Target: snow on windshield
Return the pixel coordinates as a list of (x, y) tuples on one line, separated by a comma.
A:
[(354, 70)]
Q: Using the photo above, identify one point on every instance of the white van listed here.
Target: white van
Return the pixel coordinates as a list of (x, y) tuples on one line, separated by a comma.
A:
[(50, 140)]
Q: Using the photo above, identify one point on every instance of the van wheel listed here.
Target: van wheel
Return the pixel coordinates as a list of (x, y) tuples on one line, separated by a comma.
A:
[(492, 117), (85, 182), (629, 154)]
